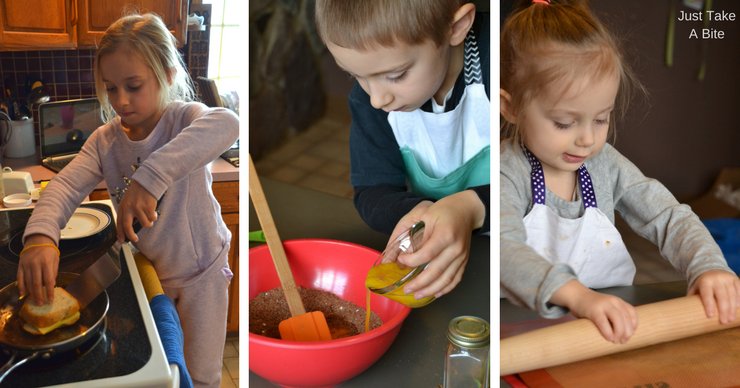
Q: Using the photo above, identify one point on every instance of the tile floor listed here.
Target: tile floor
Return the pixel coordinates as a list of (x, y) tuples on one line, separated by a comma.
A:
[(317, 158), (230, 371)]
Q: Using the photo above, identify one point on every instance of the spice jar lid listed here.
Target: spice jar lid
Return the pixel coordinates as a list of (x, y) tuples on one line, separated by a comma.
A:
[(469, 331)]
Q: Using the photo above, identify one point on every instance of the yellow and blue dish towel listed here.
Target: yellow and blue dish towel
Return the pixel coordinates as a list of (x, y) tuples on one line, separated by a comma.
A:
[(165, 317)]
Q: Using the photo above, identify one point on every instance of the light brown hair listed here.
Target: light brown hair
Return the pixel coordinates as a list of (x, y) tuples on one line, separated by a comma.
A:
[(147, 37), (545, 43), (362, 24)]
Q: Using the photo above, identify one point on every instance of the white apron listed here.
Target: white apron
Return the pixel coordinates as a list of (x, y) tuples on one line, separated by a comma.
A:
[(445, 153), (589, 245)]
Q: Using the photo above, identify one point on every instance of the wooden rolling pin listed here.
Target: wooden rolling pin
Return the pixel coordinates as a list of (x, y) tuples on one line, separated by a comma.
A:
[(578, 340)]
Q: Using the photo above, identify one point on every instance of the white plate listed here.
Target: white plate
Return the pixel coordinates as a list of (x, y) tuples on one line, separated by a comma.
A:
[(85, 222)]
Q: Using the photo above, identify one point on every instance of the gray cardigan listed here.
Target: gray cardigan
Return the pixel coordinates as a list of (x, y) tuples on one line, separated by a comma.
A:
[(645, 204)]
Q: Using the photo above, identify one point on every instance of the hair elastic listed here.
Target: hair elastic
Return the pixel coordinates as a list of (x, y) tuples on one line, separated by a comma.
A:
[(50, 245), (547, 2)]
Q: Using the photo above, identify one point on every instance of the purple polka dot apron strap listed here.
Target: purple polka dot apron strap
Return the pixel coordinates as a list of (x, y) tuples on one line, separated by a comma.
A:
[(587, 187), (538, 182), (538, 178)]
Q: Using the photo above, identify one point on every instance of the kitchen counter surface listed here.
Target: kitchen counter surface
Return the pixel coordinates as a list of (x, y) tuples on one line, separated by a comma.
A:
[(416, 358), (221, 169)]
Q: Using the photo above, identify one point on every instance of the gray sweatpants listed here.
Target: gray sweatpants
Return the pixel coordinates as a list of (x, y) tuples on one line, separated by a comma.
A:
[(203, 307)]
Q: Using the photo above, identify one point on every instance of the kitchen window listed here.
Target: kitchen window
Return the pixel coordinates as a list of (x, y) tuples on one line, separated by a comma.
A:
[(227, 59)]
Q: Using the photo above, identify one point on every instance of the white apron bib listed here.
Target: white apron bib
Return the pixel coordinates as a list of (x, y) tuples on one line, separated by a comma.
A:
[(445, 153), (590, 245)]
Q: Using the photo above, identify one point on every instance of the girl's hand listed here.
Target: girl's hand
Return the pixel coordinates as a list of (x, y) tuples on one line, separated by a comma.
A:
[(615, 318), (719, 290), (37, 269), (446, 244), (138, 204)]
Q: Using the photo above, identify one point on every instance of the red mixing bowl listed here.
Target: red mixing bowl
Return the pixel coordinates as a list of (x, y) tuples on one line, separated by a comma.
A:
[(334, 266)]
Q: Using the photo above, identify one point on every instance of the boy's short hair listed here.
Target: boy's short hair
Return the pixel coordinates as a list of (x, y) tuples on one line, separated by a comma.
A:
[(362, 24)]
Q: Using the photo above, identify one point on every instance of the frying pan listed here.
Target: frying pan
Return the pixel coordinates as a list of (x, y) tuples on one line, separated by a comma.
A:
[(25, 347)]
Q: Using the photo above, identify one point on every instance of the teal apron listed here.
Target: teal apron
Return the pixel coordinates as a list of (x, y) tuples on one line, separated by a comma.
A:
[(445, 153)]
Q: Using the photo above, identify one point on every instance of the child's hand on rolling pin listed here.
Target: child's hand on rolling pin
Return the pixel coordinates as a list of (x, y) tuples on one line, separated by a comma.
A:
[(719, 291), (615, 318)]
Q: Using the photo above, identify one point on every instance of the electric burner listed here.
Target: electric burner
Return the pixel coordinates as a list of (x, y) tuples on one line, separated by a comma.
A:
[(127, 352)]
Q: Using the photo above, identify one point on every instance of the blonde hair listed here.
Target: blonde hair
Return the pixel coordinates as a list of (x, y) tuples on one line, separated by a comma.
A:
[(558, 42), (362, 24), (147, 36)]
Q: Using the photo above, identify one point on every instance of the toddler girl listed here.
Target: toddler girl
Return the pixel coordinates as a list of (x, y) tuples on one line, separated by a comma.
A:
[(562, 78)]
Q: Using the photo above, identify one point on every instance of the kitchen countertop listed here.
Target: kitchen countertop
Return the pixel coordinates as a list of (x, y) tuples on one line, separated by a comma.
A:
[(221, 169), (636, 295), (416, 358)]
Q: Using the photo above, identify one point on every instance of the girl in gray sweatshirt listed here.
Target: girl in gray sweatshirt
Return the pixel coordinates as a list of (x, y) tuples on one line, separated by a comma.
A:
[(154, 142)]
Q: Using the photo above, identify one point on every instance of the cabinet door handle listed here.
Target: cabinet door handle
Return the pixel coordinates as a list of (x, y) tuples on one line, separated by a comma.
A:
[(73, 12)]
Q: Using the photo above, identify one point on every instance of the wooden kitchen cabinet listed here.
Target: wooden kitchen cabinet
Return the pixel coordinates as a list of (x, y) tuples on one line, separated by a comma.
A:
[(99, 195), (232, 319), (68, 24), (227, 194), (26, 24), (96, 16)]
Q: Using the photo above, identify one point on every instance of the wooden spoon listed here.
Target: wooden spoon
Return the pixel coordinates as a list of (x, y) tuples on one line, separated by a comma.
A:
[(302, 326)]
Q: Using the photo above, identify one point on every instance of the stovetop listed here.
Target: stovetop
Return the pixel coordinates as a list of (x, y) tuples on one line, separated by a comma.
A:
[(124, 346)]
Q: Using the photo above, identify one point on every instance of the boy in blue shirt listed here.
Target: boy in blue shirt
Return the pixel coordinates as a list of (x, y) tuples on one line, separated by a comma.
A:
[(420, 135)]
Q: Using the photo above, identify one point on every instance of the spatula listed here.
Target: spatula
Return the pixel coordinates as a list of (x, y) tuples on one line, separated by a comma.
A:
[(102, 273), (301, 326)]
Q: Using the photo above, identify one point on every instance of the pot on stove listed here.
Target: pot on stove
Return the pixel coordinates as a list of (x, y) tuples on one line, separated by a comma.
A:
[(24, 347)]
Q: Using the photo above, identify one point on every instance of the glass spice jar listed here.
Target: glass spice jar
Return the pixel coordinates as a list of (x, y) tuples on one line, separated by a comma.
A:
[(467, 360)]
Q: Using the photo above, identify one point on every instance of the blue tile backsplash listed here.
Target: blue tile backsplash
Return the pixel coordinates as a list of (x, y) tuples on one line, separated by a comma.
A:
[(66, 74)]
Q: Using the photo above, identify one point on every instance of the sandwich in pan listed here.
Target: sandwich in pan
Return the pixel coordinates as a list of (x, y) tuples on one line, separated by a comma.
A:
[(41, 319)]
